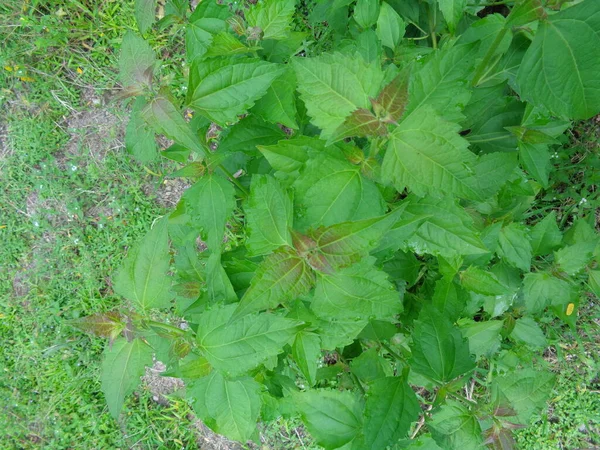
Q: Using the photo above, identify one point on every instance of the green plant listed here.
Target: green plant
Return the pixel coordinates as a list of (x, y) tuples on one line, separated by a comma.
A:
[(375, 257)]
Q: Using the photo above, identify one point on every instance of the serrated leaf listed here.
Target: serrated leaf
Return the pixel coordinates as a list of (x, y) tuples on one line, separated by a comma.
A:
[(561, 69), (199, 36), (360, 123), (142, 278), (536, 160), (231, 407), (370, 366), (273, 17), (249, 133), (122, 367), (393, 97), (210, 202), (162, 115), (278, 105), (218, 285), (484, 337), (545, 235), (334, 85), (449, 298), (136, 62), (526, 11), (333, 418), (527, 331), (288, 157), (453, 11), (525, 391), (366, 13), (594, 282), (145, 11), (515, 246), (108, 325), (390, 26), (225, 44), (222, 89), (331, 190), (541, 290), (454, 427), (306, 351), (439, 350), (572, 259), (139, 139), (482, 282), (492, 171), (428, 155), (235, 347), (281, 277), (390, 409), (268, 216)]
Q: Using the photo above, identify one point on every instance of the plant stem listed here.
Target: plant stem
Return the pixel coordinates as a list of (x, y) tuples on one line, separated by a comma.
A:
[(353, 375), (392, 352), (488, 56), (432, 24), (233, 180)]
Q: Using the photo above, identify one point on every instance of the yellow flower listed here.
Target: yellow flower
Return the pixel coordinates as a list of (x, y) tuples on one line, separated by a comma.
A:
[(79, 70)]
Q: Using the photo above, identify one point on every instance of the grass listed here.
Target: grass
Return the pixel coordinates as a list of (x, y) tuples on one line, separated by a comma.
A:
[(73, 201)]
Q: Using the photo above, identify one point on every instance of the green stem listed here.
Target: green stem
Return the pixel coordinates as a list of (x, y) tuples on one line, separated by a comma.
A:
[(233, 180), (488, 56), (432, 24), (392, 352), (353, 375)]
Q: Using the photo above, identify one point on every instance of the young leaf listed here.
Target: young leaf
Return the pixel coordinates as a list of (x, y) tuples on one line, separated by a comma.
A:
[(545, 235), (162, 115), (561, 69), (573, 258), (218, 285), (524, 12), (273, 17), (361, 123), (526, 330), (233, 405), (288, 157), (455, 427), (145, 11), (358, 291), (139, 139), (393, 98), (390, 409), (281, 277), (482, 282), (484, 337), (239, 346), (222, 89), (122, 367), (306, 352), (248, 133), (334, 85), (210, 202), (439, 350), (278, 105), (366, 13), (225, 44), (428, 155), (449, 299), (515, 247), (136, 63), (536, 160), (332, 417), (453, 11), (199, 36), (390, 26), (369, 366), (541, 290), (142, 278), (268, 216)]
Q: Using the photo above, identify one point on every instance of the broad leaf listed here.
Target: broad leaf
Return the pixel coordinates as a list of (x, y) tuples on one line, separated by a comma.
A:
[(526, 330), (449, 298), (390, 26), (393, 98), (369, 366), (145, 11), (561, 69), (482, 282), (139, 139), (136, 63), (281, 277), (278, 105), (306, 351), (210, 203), (484, 337), (515, 247), (247, 134), (235, 347), (545, 235), (454, 427), (366, 13), (122, 367), (142, 278), (536, 160), (452, 10), (361, 123), (333, 418), (390, 409), (218, 285), (222, 89), (572, 259), (273, 17), (289, 157), (268, 216), (439, 350), (541, 290)]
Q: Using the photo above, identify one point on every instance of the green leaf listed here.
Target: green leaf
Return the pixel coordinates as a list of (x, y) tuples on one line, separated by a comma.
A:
[(390, 409), (233, 405), (561, 69), (307, 353), (139, 139), (210, 203), (439, 350), (536, 160), (225, 44), (361, 123), (222, 89), (333, 418), (162, 115), (449, 298), (545, 235), (268, 216), (493, 170), (142, 278), (273, 17), (594, 282), (122, 367), (366, 12), (289, 157), (281, 277), (541, 290), (526, 330), (145, 11), (278, 105), (199, 36), (524, 391), (482, 282), (454, 427), (136, 63), (390, 26), (235, 347), (248, 133), (369, 366), (453, 11), (572, 259), (428, 155), (524, 12), (218, 285), (334, 85), (331, 190), (515, 246), (358, 291), (484, 337)]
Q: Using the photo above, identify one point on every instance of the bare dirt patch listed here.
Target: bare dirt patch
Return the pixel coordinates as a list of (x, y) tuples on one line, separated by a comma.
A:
[(168, 193), (5, 150)]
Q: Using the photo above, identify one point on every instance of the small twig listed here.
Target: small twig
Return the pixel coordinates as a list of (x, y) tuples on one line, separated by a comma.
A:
[(420, 423)]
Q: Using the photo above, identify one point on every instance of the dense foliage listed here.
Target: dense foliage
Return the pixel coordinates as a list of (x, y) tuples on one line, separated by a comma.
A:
[(363, 244)]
